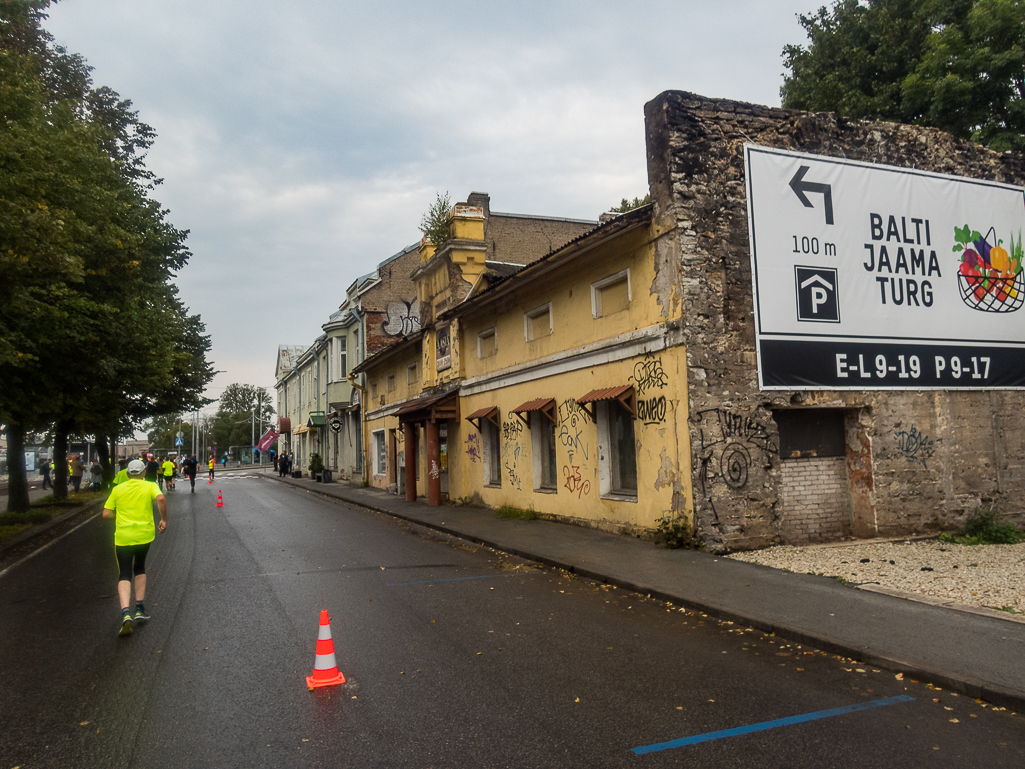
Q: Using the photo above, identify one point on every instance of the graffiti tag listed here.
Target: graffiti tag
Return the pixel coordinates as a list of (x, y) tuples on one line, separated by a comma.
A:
[(575, 482), (435, 470), (648, 373), (510, 464), (915, 446), (729, 445), (472, 444), (512, 429), (403, 318), (652, 411)]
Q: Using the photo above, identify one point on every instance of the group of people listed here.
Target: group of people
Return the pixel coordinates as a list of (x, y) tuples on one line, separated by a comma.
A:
[(283, 464), (76, 471)]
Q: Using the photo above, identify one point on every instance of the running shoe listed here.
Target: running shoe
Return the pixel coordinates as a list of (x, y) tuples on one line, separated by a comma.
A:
[(140, 612), (126, 624)]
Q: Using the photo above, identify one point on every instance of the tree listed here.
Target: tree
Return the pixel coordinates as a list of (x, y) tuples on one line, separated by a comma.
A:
[(93, 338), (234, 423), (630, 205), (434, 223), (957, 65)]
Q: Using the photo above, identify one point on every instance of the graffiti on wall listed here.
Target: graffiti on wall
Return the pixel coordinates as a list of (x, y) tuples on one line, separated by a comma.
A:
[(652, 411), (648, 374), (511, 430), (915, 446), (575, 483), (730, 444), (511, 452), (572, 419), (472, 445), (403, 318)]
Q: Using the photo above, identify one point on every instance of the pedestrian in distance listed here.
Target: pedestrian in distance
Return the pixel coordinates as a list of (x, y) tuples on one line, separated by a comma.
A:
[(168, 470), (96, 476), (210, 466), (130, 504), (45, 470), (152, 469), (190, 469), (77, 469)]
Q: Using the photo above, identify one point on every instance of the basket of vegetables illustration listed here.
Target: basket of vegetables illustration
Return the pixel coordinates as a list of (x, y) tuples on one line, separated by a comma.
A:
[(989, 277)]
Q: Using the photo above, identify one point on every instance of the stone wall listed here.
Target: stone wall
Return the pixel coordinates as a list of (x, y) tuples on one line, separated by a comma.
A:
[(916, 461)]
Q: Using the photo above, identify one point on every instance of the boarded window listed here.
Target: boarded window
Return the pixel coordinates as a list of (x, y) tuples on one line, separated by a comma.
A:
[(487, 343), (810, 433), (614, 297), (538, 323), (411, 374), (391, 383)]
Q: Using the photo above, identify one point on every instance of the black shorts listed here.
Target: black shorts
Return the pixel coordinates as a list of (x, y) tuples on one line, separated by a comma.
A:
[(129, 554)]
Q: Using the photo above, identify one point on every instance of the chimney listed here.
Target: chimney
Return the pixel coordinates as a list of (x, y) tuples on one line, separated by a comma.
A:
[(481, 200)]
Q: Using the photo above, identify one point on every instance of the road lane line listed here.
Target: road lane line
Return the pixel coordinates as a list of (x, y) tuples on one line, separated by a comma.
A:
[(764, 725), (49, 544), (452, 579)]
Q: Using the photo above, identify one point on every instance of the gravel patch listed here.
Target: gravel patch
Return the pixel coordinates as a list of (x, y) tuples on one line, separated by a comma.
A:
[(991, 576)]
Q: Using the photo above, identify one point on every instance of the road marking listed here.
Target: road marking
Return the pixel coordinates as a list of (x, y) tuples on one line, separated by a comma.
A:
[(49, 544), (452, 579), (764, 725)]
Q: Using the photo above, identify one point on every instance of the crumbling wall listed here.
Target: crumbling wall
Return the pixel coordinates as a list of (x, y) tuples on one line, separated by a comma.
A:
[(917, 461)]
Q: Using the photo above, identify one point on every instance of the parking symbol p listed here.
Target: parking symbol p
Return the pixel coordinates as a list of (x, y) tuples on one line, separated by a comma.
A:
[(817, 294)]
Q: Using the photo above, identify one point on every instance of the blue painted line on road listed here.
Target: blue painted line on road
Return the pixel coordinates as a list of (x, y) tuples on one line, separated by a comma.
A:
[(764, 725), (452, 579)]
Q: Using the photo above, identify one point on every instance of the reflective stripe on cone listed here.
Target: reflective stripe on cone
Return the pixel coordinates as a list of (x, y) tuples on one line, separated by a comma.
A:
[(325, 669)]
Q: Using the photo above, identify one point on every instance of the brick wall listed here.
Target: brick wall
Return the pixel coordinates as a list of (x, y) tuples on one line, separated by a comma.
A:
[(815, 507)]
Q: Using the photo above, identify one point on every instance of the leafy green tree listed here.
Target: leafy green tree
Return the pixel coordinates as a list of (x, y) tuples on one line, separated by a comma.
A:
[(434, 223), (93, 338), (629, 205), (233, 424), (957, 65)]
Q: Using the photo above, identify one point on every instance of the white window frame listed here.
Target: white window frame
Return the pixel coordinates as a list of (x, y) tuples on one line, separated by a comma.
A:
[(340, 361), (528, 317), (597, 286), (605, 459), (493, 331), (412, 373), (380, 452)]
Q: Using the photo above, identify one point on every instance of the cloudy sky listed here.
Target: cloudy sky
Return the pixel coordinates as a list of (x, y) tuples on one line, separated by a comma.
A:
[(300, 142)]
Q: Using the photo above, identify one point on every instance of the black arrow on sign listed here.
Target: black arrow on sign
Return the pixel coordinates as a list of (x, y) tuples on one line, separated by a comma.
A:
[(799, 186)]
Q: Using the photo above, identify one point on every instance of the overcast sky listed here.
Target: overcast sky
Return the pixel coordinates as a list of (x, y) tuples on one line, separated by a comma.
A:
[(300, 142)]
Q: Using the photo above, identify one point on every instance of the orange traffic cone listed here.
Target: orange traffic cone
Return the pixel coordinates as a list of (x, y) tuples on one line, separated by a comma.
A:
[(220, 503), (210, 482), (325, 669)]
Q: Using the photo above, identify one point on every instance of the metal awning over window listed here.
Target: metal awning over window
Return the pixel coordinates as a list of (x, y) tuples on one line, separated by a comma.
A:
[(316, 419), (545, 405), (437, 407), (625, 394), (489, 413)]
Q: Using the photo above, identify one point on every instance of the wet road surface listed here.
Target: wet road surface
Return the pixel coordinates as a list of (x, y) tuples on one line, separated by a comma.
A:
[(454, 655)]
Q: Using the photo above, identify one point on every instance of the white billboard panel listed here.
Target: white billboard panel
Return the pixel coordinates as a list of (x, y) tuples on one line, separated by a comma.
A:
[(869, 277)]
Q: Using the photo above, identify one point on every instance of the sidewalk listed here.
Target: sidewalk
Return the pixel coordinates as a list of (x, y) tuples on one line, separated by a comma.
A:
[(974, 654)]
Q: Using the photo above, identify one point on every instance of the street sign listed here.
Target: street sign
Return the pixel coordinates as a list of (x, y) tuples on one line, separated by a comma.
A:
[(179, 434), (871, 277), (179, 442)]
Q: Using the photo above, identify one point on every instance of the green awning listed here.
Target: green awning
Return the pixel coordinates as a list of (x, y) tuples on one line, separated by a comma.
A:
[(316, 420)]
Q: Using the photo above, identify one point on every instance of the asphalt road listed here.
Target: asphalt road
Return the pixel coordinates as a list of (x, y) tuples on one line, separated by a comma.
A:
[(456, 656)]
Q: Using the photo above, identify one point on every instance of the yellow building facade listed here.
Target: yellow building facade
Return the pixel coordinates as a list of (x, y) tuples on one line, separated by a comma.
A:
[(558, 386)]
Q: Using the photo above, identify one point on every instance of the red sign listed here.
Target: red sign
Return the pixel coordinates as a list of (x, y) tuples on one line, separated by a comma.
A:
[(267, 440)]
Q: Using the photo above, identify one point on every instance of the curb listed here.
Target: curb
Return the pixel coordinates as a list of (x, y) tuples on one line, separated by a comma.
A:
[(970, 687)]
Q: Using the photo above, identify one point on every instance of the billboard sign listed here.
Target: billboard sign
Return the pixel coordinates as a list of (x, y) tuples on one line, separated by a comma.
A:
[(870, 277)]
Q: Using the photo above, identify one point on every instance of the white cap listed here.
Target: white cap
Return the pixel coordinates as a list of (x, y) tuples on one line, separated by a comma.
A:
[(136, 467)]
